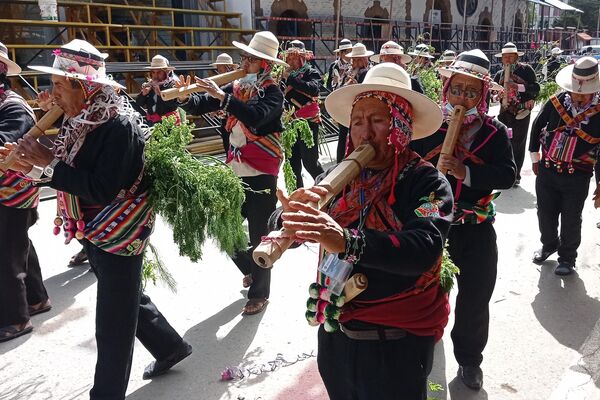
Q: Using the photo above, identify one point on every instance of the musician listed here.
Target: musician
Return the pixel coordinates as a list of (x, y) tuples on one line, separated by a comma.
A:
[(521, 91), (97, 168), (359, 60), (390, 224), (149, 98), (340, 67), (254, 105), (302, 83), (481, 163), (553, 64), (567, 130), (421, 57), (447, 57), (394, 53), (22, 291), (224, 63)]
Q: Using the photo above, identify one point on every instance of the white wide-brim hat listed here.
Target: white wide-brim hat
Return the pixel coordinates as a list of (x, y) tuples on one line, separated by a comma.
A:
[(345, 44), (391, 48), (224, 59), (160, 62), (582, 77), (80, 60), (11, 66), (359, 50), (448, 57), (556, 51), (422, 50), (509, 48), (472, 63), (392, 78), (263, 45)]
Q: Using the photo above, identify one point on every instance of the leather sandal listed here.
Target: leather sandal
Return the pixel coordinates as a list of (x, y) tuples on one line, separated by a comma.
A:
[(14, 331), (255, 306), (39, 308)]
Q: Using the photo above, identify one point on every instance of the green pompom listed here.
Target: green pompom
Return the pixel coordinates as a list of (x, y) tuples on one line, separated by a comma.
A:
[(336, 300), (311, 317), (313, 290), (331, 325), (311, 304), (332, 312)]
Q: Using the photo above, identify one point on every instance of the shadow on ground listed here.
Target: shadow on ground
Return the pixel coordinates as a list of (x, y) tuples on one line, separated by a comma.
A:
[(515, 201), (565, 310), (62, 289), (198, 377)]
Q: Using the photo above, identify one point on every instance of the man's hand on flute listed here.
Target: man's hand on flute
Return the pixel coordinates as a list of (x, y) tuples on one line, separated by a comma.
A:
[(211, 88), (454, 166), (31, 151), (183, 82), (307, 222), (17, 165), (45, 100)]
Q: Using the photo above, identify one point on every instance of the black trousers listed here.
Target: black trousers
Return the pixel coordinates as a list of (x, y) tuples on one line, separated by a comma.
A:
[(341, 146), (122, 312), (561, 195), (21, 282), (368, 370), (473, 249), (257, 209), (520, 130), (307, 156)]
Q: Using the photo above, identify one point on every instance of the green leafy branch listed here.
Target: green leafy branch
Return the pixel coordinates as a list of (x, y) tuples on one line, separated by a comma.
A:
[(294, 129), (448, 271)]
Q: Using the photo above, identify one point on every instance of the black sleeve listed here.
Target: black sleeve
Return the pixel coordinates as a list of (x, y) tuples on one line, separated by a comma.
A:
[(141, 100), (257, 113), (15, 122), (329, 76), (426, 216), (539, 123), (118, 165), (416, 84), (500, 171), (498, 75), (202, 103), (532, 88), (308, 84), (597, 166)]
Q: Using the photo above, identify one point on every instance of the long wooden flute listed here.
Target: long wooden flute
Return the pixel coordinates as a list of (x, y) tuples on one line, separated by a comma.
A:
[(36, 131), (452, 134), (220, 80), (270, 250)]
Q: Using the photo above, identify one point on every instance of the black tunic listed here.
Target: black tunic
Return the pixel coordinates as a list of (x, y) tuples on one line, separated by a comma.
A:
[(304, 87), (110, 159), (154, 104), (550, 119), (498, 170), (525, 75)]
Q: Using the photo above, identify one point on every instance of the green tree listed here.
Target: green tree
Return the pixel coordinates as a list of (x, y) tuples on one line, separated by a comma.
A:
[(588, 19)]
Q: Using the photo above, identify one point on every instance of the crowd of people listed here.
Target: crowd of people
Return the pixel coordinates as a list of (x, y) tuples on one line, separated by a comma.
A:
[(391, 223)]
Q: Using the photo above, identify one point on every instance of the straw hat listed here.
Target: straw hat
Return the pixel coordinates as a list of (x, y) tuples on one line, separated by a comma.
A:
[(263, 45), (387, 77), (422, 50), (224, 59), (160, 62), (509, 48), (556, 51), (448, 57), (472, 63), (359, 50), (581, 77), (345, 44), (12, 67), (80, 60), (392, 48)]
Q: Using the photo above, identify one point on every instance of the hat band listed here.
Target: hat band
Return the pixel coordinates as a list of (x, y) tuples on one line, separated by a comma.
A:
[(474, 60), (71, 66), (585, 72)]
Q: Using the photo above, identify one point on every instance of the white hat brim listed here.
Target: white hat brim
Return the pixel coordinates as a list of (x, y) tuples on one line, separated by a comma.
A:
[(169, 68), (368, 53), (448, 71), (56, 71), (564, 79), (427, 114), (412, 53), (499, 55), (404, 57), (224, 63), (345, 48), (250, 50), (12, 67)]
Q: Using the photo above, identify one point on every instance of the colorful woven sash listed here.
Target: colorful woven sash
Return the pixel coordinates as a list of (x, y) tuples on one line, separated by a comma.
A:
[(18, 192), (484, 210)]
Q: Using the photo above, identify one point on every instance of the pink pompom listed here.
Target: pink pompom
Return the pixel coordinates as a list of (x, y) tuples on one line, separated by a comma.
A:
[(321, 318), (56, 230), (69, 225), (80, 225), (227, 374), (321, 305)]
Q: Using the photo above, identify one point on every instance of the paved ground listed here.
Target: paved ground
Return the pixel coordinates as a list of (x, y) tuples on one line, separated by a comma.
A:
[(544, 335)]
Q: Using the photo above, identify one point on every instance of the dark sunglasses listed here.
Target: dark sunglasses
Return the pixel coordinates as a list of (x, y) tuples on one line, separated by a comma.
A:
[(469, 93)]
